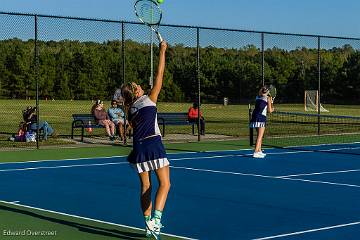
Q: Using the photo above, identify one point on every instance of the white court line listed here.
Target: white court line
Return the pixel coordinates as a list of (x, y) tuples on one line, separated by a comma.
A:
[(175, 159), (222, 172), (63, 166), (192, 152), (320, 173), (186, 168), (116, 156), (308, 231), (104, 164), (322, 182), (323, 144), (97, 158), (265, 176), (60, 160), (99, 164), (89, 219), (336, 149)]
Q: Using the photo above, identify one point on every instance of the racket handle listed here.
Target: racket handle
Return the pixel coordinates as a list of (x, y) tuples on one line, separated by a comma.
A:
[(159, 37)]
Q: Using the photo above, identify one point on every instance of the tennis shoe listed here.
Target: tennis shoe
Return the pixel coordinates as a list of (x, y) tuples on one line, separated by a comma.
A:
[(148, 233), (154, 228), (259, 155)]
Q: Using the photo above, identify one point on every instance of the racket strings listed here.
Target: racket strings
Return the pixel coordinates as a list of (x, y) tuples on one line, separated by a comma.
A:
[(148, 12), (272, 91)]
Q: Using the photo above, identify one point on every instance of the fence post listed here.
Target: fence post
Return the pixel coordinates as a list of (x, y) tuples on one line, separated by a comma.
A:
[(262, 60), (36, 52), (251, 130), (319, 80), (198, 76)]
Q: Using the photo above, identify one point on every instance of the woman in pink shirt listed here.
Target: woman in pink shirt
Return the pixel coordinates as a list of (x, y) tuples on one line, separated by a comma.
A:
[(102, 118)]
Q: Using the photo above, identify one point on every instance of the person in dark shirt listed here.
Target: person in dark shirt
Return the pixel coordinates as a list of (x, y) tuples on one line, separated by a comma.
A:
[(263, 105), (30, 117)]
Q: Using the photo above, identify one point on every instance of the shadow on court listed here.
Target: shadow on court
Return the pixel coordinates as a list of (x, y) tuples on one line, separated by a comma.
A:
[(91, 229)]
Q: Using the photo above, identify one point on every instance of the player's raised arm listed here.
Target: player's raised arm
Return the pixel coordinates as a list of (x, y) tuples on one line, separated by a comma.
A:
[(270, 105), (160, 73)]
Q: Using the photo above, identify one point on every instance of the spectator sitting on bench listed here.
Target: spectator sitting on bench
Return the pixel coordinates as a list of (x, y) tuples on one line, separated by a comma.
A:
[(117, 116), (20, 135), (193, 114), (30, 117), (118, 97), (102, 118)]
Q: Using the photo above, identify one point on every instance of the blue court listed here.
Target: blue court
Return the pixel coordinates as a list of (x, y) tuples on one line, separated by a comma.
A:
[(294, 193)]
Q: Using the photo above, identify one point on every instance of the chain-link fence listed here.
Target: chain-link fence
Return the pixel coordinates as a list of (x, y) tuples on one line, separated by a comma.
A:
[(62, 65)]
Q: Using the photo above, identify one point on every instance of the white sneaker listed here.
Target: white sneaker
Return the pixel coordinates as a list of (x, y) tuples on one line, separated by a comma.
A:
[(263, 153), (154, 228), (148, 233), (259, 155)]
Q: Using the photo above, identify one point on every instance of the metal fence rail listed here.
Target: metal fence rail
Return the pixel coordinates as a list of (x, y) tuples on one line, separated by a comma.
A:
[(62, 65)]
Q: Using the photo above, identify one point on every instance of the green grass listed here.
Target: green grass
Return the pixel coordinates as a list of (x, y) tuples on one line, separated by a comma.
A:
[(231, 120)]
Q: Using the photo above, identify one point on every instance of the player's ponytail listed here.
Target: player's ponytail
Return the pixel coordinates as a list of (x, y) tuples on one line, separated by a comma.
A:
[(127, 92)]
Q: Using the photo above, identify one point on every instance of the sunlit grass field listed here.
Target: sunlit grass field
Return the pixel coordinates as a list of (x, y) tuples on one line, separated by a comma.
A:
[(230, 120)]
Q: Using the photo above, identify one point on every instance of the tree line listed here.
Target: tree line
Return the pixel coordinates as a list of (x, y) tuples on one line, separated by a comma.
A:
[(89, 70)]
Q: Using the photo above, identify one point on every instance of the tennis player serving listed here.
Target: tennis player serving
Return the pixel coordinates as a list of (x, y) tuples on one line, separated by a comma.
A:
[(148, 152), (263, 105)]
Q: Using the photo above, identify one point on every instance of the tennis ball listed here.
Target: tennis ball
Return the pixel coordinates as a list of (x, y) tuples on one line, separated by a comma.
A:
[(160, 1)]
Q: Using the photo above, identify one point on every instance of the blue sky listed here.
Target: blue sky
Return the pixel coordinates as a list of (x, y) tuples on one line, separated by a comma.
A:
[(323, 17)]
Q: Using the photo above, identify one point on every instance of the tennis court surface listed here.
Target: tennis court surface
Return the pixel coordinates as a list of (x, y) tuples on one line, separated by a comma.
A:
[(294, 193)]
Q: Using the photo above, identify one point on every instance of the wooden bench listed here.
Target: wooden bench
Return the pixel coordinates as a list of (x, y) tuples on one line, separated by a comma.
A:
[(83, 121), (174, 118)]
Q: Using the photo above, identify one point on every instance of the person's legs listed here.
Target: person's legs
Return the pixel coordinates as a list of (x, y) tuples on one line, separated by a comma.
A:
[(163, 176), (145, 198), (112, 128), (121, 130), (49, 129), (43, 126), (202, 126), (260, 135), (145, 195), (107, 127)]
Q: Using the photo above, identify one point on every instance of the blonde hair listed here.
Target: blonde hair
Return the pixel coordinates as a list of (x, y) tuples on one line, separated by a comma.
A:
[(127, 92)]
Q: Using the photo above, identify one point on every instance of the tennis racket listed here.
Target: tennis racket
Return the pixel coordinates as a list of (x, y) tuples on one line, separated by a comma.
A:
[(149, 13), (272, 92)]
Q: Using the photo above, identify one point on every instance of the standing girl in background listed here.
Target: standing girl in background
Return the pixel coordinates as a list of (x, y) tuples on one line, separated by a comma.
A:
[(148, 152), (263, 105)]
